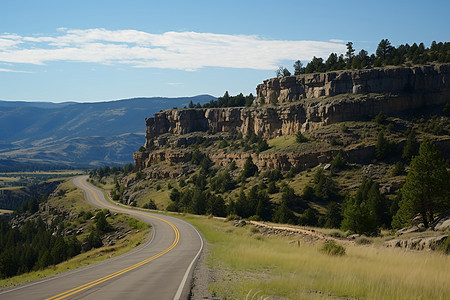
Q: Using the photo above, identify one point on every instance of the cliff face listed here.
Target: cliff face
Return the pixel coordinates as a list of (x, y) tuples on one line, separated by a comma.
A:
[(280, 161), (268, 121), (388, 80), (353, 95)]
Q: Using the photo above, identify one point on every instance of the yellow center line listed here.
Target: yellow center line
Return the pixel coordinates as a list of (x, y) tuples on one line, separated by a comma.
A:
[(125, 270)]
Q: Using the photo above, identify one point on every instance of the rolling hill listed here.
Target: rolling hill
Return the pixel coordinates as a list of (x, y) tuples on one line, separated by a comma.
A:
[(78, 134)]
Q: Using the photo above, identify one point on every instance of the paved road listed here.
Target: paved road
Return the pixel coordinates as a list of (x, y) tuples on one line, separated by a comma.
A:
[(159, 269)]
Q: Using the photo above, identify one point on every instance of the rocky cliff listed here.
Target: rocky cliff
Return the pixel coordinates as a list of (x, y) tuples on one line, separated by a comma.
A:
[(314, 100), (422, 79), (302, 103)]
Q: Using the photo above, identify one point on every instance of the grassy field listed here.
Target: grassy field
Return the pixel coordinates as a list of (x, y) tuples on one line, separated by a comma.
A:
[(251, 266), (19, 179)]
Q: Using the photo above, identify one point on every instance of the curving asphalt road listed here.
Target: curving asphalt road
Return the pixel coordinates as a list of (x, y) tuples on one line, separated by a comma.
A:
[(160, 269)]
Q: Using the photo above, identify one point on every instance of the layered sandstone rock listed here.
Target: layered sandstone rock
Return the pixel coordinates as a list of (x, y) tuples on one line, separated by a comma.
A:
[(307, 102), (355, 95), (387, 80), (281, 161)]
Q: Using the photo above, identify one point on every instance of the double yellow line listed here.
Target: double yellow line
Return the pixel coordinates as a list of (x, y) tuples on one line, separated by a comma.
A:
[(123, 271)]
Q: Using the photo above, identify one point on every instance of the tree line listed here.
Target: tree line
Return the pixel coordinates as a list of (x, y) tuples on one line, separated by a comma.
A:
[(32, 247), (35, 244), (385, 55), (226, 101)]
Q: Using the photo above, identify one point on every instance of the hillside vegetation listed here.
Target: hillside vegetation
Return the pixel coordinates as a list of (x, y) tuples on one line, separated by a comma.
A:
[(60, 231), (359, 197)]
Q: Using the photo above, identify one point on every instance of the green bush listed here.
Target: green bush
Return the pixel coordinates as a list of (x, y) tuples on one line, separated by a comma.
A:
[(331, 248), (300, 138), (380, 118), (399, 169), (363, 241), (446, 245)]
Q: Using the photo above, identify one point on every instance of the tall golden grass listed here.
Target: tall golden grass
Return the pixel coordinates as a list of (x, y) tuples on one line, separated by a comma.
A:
[(249, 263)]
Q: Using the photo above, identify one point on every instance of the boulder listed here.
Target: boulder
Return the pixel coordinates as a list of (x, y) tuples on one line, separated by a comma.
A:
[(443, 224)]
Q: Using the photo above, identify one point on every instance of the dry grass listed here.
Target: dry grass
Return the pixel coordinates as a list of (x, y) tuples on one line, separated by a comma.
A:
[(273, 266)]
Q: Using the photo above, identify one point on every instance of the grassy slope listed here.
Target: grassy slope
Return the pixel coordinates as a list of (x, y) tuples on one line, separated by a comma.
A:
[(249, 264), (74, 200)]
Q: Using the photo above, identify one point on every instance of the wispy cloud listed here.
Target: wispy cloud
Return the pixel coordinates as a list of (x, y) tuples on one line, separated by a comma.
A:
[(171, 50), (14, 71), (337, 41)]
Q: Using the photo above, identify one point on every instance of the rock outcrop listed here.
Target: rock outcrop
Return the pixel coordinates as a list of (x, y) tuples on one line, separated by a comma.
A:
[(427, 79), (314, 100), (281, 161), (418, 243), (303, 103)]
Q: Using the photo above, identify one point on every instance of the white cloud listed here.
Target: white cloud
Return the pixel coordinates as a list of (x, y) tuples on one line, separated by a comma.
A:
[(171, 50), (13, 71), (337, 41)]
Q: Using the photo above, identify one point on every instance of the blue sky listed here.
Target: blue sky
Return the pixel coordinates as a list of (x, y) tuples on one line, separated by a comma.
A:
[(104, 50)]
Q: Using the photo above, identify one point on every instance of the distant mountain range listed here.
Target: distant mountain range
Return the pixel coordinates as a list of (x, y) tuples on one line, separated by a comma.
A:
[(78, 134)]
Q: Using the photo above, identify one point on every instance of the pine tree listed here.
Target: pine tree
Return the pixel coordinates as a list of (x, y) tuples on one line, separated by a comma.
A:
[(384, 49), (427, 187), (298, 68), (283, 214), (410, 147), (383, 146)]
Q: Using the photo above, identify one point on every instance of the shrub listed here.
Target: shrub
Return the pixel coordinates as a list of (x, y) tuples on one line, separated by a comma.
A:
[(172, 207), (363, 241), (380, 118), (338, 162), (336, 234), (300, 138), (139, 175), (250, 168), (398, 169), (446, 245), (150, 205), (331, 248)]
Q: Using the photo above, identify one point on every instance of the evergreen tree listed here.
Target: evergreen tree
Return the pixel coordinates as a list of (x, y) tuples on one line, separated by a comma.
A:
[(333, 217), (250, 168), (101, 222), (309, 218), (357, 217), (325, 188), (242, 206), (298, 68), (198, 202), (331, 62), (350, 53), (384, 49), (410, 147), (427, 187), (383, 146), (283, 214), (216, 206), (283, 72)]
